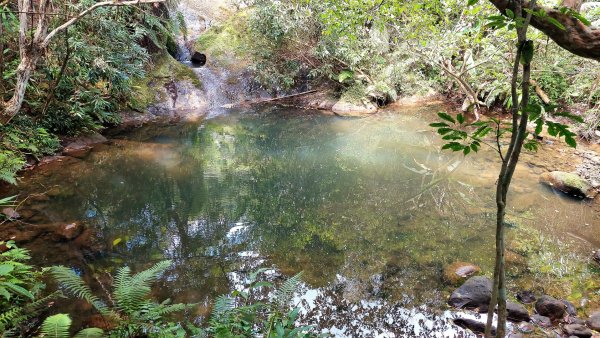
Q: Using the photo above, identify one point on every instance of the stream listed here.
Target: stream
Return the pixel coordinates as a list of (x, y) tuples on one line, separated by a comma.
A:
[(370, 209)]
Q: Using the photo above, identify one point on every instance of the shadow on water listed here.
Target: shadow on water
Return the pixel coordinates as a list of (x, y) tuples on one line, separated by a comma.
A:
[(372, 202)]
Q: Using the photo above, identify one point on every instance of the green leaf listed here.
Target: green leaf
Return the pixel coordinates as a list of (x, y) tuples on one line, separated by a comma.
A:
[(446, 117), (438, 125), (466, 151), (117, 241), (460, 118), (555, 23), (5, 269), (510, 13), (472, 2), (18, 289), (92, 332), (571, 141), (4, 292), (56, 326)]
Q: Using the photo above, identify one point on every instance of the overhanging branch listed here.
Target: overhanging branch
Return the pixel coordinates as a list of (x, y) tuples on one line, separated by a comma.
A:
[(576, 37), (111, 3)]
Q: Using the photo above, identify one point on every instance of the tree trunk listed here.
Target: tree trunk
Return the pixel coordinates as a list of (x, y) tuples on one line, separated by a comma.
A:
[(24, 71)]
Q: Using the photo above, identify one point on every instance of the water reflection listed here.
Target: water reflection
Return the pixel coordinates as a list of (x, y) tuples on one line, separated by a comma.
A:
[(372, 200)]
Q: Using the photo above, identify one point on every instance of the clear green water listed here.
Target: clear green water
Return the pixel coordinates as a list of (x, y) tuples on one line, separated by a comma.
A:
[(359, 199)]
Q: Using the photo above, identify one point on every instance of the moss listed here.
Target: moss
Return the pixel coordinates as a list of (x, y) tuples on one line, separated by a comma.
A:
[(224, 43), (163, 70)]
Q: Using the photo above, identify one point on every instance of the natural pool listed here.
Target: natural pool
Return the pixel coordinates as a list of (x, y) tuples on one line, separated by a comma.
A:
[(371, 206)]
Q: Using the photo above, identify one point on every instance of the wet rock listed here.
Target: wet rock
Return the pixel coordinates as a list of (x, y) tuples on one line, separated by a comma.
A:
[(575, 320), (198, 59), (472, 324), (569, 183), (475, 293), (540, 320), (81, 146), (517, 312), (345, 108), (526, 327), (515, 335), (526, 296), (569, 308), (70, 231), (550, 307), (10, 213), (594, 321), (458, 272), (577, 330)]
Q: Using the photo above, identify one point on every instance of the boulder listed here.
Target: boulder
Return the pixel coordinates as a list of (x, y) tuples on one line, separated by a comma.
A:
[(542, 321), (550, 307), (577, 330), (198, 59), (458, 272), (346, 108), (568, 183), (475, 293), (81, 146), (472, 324), (596, 256), (517, 312), (594, 321)]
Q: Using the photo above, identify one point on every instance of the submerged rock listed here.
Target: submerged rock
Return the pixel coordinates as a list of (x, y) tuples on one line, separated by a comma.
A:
[(70, 231), (550, 307), (475, 293), (577, 330), (472, 324), (81, 146), (517, 312), (458, 272), (568, 183), (540, 320), (594, 321), (346, 108)]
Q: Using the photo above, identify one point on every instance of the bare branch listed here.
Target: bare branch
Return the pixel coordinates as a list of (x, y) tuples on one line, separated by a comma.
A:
[(111, 3)]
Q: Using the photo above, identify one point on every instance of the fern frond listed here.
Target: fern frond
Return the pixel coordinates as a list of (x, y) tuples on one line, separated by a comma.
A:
[(75, 285), (92, 332), (56, 326), (131, 292), (223, 306), (285, 293), (19, 315)]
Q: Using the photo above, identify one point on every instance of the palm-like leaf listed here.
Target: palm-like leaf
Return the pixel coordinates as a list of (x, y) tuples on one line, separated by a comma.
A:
[(56, 326)]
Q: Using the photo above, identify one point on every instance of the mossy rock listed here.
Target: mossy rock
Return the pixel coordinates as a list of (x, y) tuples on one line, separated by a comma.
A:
[(164, 69), (568, 183)]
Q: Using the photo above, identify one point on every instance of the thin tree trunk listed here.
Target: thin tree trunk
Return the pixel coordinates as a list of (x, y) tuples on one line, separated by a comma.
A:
[(24, 71), (52, 89)]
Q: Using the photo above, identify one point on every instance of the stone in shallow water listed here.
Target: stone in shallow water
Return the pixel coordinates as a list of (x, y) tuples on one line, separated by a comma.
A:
[(526, 327), (577, 330), (550, 307), (472, 324), (569, 183), (475, 293), (542, 321), (458, 272), (594, 321), (517, 312)]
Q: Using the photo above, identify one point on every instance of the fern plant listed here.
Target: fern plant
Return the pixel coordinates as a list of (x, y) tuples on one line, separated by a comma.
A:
[(242, 315), (20, 291), (132, 311), (59, 325)]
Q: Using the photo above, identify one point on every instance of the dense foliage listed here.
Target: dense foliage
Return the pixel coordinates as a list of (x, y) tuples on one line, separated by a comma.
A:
[(85, 78), (383, 50)]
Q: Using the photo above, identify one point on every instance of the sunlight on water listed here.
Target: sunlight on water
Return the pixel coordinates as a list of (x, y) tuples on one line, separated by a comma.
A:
[(371, 201)]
